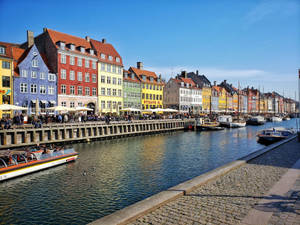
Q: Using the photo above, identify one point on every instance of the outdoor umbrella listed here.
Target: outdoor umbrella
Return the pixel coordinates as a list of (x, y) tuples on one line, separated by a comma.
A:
[(81, 108), (11, 107), (61, 108), (130, 110), (170, 110)]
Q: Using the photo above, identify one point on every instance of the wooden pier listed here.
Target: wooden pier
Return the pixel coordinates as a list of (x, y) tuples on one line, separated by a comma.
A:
[(75, 132)]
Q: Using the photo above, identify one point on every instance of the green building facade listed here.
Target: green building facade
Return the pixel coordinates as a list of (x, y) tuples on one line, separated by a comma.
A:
[(131, 90)]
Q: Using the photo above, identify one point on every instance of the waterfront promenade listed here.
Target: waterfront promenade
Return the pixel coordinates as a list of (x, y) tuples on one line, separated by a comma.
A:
[(264, 190)]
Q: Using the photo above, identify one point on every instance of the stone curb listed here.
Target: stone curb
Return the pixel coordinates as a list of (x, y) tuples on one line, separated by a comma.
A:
[(141, 208)]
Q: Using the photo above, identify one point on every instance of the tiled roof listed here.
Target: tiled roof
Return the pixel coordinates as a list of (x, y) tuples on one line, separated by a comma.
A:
[(129, 79), (18, 55), (108, 50), (148, 74), (186, 81), (8, 48), (69, 39)]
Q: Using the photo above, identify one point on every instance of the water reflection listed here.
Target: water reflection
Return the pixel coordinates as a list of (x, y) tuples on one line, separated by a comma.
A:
[(110, 175)]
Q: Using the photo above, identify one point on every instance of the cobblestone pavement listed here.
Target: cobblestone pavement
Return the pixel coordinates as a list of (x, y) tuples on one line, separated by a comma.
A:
[(229, 198)]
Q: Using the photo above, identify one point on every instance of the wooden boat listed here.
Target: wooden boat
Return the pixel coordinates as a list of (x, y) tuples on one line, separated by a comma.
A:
[(15, 163), (271, 135), (208, 125), (237, 124), (256, 120)]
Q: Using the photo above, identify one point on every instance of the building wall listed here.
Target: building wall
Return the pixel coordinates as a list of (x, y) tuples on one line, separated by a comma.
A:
[(147, 102), (206, 98), (132, 94), (222, 100), (26, 99), (6, 96), (112, 103), (235, 102), (171, 95)]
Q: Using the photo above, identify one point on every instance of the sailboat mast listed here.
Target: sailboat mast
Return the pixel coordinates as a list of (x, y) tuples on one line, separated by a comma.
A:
[(238, 101)]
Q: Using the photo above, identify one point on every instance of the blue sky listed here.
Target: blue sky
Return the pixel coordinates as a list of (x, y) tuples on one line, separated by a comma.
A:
[(255, 42)]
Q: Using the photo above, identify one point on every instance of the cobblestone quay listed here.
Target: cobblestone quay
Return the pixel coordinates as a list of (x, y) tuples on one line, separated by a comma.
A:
[(229, 199)]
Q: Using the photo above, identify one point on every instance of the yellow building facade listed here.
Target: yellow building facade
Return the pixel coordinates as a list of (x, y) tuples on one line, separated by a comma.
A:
[(206, 99), (235, 102), (222, 100), (6, 77), (110, 88)]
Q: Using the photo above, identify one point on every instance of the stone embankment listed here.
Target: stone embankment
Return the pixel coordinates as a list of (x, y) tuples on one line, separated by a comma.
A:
[(262, 188)]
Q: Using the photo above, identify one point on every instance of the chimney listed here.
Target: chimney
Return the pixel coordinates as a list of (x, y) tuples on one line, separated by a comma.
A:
[(87, 38), (139, 65), (184, 74), (215, 83), (197, 72), (44, 29), (103, 40), (225, 81), (30, 40)]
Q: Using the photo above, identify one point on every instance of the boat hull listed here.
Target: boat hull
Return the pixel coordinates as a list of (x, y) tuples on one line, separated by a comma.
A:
[(37, 166), (269, 139), (237, 124)]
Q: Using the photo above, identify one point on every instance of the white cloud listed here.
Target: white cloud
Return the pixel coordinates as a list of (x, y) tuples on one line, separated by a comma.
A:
[(271, 7)]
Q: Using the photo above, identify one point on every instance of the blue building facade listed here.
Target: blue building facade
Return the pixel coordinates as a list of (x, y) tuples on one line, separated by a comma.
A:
[(34, 86)]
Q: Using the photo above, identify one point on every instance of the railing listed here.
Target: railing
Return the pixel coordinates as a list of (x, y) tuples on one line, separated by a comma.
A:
[(73, 132)]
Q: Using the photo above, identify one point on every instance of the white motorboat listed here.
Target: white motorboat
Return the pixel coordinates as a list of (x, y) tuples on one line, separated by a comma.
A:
[(237, 124), (276, 119), (256, 120), (271, 135), (225, 120)]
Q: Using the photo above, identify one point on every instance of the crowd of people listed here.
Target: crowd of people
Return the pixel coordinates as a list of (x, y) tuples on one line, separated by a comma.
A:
[(19, 119)]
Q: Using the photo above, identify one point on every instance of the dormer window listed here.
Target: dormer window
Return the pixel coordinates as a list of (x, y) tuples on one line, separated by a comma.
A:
[(110, 58), (126, 75), (132, 76), (151, 79), (144, 77), (117, 59), (182, 84), (102, 56), (2, 50), (91, 51), (72, 47), (158, 80), (82, 50), (62, 45)]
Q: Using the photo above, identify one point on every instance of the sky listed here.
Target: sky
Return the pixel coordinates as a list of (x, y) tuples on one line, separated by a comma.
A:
[(251, 42)]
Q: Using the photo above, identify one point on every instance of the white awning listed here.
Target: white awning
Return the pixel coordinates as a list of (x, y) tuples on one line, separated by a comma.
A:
[(53, 102), (33, 101), (43, 101)]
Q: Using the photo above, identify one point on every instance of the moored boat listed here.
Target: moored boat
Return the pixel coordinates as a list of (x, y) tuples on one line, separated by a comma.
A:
[(271, 135), (209, 125), (256, 120), (276, 119), (15, 163), (225, 120), (237, 124)]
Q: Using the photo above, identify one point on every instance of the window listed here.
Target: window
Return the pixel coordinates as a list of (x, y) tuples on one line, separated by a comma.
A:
[(42, 89), (23, 73), (117, 59), (143, 95), (63, 104), (87, 77), (94, 65), (114, 105), (119, 70), (103, 66), (63, 89), (80, 104), (108, 80), (5, 65), (108, 91), (102, 56), (79, 76), (109, 104), (2, 50), (94, 78), (5, 81), (87, 91), (51, 77), (72, 75), (113, 68), (42, 76), (102, 104), (102, 79), (23, 88), (146, 96), (87, 63), (33, 74), (114, 92), (72, 48), (62, 45), (91, 51), (72, 90), (79, 62), (120, 93), (102, 91), (114, 81), (51, 90), (63, 74), (72, 60), (63, 58), (108, 68), (94, 91), (82, 49), (72, 104), (119, 81), (110, 58), (79, 90), (34, 62), (33, 88)]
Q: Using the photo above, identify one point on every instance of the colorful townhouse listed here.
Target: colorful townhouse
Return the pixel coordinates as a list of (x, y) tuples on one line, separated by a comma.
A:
[(152, 87), (34, 86), (268, 103), (243, 101), (110, 77), (131, 90), (253, 99), (6, 76), (215, 98), (74, 61), (183, 94), (205, 85), (222, 99)]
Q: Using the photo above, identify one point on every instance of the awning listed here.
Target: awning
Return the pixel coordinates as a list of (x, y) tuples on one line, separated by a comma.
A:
[(33, 101), (53, 102), (43, 101)]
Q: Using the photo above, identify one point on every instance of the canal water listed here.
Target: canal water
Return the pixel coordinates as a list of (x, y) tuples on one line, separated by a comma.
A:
[(110, 175)]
